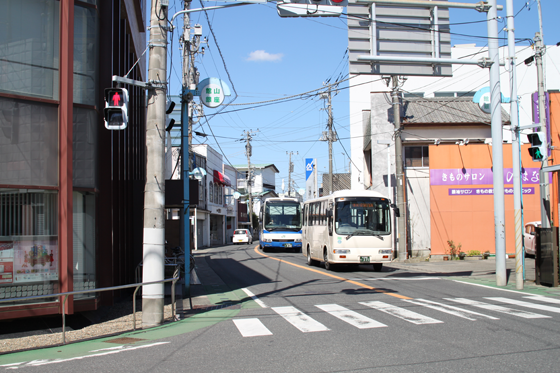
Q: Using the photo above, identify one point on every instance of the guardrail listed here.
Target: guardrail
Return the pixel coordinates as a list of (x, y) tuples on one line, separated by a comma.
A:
[(137, 286)]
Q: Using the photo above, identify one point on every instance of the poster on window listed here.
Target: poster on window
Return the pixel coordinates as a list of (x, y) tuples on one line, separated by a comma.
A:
[(6, 262), (35, 261)]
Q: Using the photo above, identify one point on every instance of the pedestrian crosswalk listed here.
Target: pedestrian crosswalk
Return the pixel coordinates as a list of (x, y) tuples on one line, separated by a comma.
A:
[(364, 319)]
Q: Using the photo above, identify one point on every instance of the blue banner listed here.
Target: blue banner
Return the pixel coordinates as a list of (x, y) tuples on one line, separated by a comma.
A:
[(308, 167)]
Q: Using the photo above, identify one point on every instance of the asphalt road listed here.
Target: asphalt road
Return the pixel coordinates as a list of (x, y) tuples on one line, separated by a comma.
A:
[(280, 315)]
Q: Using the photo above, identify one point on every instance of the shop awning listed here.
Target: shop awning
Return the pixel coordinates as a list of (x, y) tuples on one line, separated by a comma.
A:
[(220, 178)]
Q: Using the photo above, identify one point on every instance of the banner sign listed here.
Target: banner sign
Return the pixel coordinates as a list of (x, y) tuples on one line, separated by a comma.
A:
[(478, 176), (484, 191)]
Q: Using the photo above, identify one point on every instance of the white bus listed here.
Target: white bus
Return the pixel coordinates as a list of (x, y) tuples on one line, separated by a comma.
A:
[(280, 224), (348, 227)]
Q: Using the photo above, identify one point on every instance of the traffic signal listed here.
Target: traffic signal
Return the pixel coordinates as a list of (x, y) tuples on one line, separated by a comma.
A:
[(169, 122), (116, 108), (539, 148)]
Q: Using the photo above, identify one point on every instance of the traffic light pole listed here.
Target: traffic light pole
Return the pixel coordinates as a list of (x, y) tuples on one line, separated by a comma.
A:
[(154, 193)]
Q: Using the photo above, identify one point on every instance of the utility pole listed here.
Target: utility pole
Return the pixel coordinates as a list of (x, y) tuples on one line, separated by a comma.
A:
[(248, 151), (516, 150), (401, 221), (329, 136), (290, 170), (545, 193), (154, 193), (497, 147)]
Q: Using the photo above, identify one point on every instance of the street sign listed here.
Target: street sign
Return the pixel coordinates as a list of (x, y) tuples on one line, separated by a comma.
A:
[(213, 92)]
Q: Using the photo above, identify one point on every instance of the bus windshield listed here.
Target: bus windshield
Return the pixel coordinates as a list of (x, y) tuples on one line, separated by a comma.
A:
[(362, 216), (282, 216)]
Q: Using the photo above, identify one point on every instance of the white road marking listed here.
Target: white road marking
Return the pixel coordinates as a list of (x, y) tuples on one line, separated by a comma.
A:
[(299, 319), (541, 298), (455, 311), (521, 303), (401, 313), (254, 297), (492, 307), (351, 317), (251, 327), (35, 363), (490, 287)]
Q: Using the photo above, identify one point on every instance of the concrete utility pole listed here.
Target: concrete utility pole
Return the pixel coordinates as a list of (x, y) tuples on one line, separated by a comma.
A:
[(545, 192), (249, 151), (497, 147), (516, 150), (154, 193), (330, 135), (401, 221), (290, 170)]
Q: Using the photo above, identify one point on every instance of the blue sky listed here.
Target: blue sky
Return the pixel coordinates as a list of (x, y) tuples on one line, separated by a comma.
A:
[(266, 57)]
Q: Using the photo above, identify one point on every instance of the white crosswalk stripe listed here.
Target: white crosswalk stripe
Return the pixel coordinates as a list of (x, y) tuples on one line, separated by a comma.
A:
[(251, 327), (300, 320), (526, 304), (401, 313), (351, 317), (540, 298), (452, 310), (492, 307)]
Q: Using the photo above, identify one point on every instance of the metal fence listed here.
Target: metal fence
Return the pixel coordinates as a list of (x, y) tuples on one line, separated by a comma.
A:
[(64, 297)]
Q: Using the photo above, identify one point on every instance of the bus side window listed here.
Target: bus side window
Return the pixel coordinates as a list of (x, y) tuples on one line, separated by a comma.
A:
[(323, 214)]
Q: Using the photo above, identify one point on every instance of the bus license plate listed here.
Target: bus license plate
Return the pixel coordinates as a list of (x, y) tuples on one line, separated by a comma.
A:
[(364, 259), (287, 245)]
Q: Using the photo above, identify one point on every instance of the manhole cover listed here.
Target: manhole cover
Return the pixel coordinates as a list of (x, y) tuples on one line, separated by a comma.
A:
[(124, 340)]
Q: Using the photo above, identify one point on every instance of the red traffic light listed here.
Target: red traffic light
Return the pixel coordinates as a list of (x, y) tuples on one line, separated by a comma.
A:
[(116, 97)]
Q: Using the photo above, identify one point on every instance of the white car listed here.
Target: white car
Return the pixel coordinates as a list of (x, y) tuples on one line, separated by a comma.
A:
[(242, 235), (529, 238)]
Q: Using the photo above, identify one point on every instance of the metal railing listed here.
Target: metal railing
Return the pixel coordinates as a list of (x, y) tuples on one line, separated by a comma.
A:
[(137, 286)]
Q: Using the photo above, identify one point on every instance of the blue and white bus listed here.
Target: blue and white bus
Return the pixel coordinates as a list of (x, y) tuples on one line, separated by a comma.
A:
[(280, 224)]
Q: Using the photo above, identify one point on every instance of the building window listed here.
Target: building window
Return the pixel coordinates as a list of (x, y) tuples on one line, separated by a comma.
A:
[(30, 50), (29, 251), (416, 156), (220, 193), (216, 187), (84, 243), (211, 192)]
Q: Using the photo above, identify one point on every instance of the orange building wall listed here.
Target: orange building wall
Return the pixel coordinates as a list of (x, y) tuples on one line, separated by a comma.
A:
[(469, 219)]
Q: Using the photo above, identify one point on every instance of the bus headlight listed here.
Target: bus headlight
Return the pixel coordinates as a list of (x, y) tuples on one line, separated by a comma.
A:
[(297, 240), (341, 251), (268, 240), (385, 251)]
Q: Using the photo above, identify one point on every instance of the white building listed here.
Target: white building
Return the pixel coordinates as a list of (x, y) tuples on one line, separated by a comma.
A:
[(371, 122), (264, 182)]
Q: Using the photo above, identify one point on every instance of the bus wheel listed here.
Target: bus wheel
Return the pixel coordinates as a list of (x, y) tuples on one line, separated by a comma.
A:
[(328, 266), (377, 267), (310, 262)]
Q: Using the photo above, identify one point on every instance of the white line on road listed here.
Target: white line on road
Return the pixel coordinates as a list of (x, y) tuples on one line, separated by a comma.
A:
[(521, 303), (541, 298), (251, 327), (351, 317), (452, 310), (254, 297), (401, 313), (396, 278), (299, 319), (490, 287), (492, 307)]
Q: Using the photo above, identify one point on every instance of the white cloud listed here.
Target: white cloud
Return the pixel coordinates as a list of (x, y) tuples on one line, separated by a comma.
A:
[(261, 55)]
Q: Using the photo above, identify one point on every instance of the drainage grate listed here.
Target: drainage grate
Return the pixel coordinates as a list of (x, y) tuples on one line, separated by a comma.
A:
[(124, 340)]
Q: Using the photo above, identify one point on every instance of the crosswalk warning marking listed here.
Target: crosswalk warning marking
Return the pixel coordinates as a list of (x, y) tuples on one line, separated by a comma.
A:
[(521, 303), (492, 307), (452, 310), (300, 320), (401, 313), (251, 327), (351, 317)]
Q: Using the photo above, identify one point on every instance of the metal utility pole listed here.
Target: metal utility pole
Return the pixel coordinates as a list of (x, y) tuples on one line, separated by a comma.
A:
[(290, 170), (249, 151), (516, 150), (401, 222), (497, 147), (545, 192), (154, 193)]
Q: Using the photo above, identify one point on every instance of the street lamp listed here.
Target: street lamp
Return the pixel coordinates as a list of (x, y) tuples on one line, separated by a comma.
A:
[(388, 143)]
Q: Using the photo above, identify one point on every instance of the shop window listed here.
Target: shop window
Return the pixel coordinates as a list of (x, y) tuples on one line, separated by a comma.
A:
[(84, 243), (416, 156), (29, 251)]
